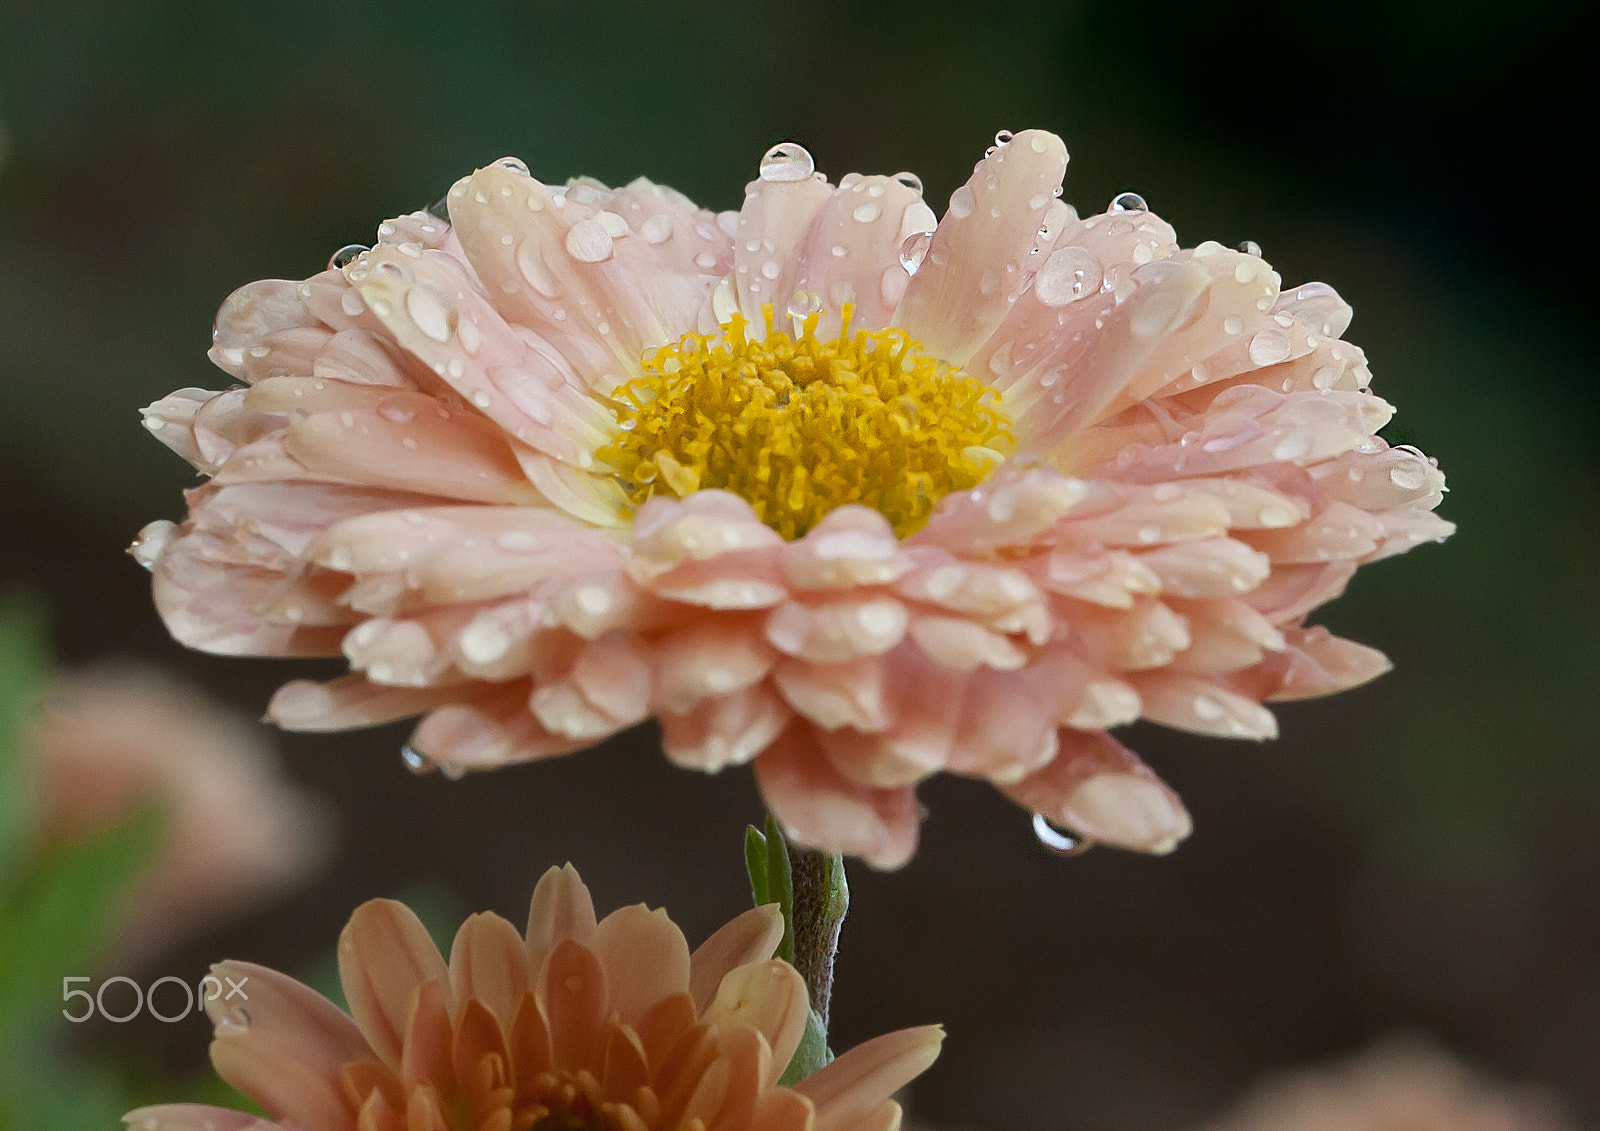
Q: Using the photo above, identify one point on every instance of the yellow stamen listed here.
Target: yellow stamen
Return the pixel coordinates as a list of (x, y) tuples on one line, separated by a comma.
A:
[(799, 426)]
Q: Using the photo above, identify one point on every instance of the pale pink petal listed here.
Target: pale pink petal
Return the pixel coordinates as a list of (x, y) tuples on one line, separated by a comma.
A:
[(1203, 706), (710, 657), (727, 730), (818, 806), (1098, 788), (350, 701), (839, 630), (980, 253), (852, 545), (852, 252), (1322, 664), (495, 730), (772, 229)]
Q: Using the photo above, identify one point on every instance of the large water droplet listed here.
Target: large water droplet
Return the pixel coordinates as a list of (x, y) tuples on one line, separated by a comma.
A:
[(911, 181), (515, 164), (440, 208), (1069, 274), (803, 303), (914, 250), (346, 255), (416, 761), (787, 161), (1004, 137), (589, 242), (962, 202), (1269, 347), (1128, 202), (1250, 247), (1057, 840)]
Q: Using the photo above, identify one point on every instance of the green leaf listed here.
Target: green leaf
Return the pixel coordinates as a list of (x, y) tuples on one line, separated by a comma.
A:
[(812, 1054), (61, 913), (22, 676), (755, 865), (780, 886)]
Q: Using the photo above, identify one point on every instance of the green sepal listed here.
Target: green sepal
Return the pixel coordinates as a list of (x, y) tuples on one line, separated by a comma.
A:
[(813, 1053), (755, 865), (780, 886)]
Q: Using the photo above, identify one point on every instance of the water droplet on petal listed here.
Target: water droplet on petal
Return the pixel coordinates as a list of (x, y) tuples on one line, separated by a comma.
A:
[(416, 761), (962, 202), (911, 181), (787, 161), (914, 250), (725, 300), (452, 771), (1250, 247), (1069, 274), (803, 303), (1057, 840), (1128, 202), (515, 164), (1269, 347), (868, 212), (1004, 137), (346, 255), (589, 242)]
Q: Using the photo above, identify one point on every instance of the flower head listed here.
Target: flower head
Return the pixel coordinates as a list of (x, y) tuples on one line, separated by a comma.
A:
[(113, 738), (823, 484), (579, 1026)]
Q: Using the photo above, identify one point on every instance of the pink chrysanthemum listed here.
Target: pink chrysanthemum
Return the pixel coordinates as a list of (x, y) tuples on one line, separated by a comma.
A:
[(579, 1026), (819, 484)]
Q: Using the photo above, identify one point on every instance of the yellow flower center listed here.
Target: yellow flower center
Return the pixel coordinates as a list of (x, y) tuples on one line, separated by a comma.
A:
[(798, 426)]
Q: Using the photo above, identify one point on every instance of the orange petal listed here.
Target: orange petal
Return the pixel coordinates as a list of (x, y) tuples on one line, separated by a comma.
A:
[(645, 959), (489, 962), (281, 1043), (561, 909), (769, 997), (863, 1078), (752, 937), (574, 992), (385, 956)]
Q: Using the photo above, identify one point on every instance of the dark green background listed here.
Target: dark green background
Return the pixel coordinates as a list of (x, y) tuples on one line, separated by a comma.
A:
[(1418, 854)]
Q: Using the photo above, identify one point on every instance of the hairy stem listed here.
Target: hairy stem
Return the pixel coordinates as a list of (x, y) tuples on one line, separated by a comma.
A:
[(821, 899)]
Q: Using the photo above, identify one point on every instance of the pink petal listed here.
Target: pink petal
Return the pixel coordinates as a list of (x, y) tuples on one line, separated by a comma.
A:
[(979, 255), (820, 808), (851, 253), (727, 730), (773, 224), (1101, 790)]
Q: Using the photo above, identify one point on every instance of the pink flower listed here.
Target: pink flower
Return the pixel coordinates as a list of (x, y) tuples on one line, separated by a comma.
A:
[(1398, 1086), (609, 1026), (813, 486), (235, 833)]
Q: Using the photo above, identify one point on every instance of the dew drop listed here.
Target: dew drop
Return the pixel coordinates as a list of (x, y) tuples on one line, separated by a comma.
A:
[(868, 212), (452, 771), (1128, 202), (1068, 275), (416, 761), (914, 250), (803, 303), (429, 313), (1250, 247), (1269, 347), (657, 229), (962, 202), (1408, 476), (515, 164), (787, 161), (1057, 840), (346, 255), (911, 181), (1004, 137), (589, 242)]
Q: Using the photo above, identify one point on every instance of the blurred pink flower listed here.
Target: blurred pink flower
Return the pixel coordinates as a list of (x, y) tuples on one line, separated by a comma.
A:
[(610, 1026), (820, 484), (1399, 1086), (235, 832)]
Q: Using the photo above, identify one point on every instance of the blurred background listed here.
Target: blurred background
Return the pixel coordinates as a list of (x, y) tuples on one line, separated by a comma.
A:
[(1420, 857)]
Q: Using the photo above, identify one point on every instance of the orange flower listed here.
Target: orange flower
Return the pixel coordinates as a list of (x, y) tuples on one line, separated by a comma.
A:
[(582, 1026)]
